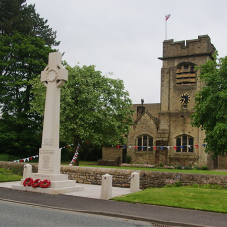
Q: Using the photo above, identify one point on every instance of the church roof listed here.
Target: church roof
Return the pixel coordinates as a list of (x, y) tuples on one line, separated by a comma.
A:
[(149, 114)]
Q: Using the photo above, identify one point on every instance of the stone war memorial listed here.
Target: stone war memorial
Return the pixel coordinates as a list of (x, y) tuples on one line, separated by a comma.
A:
[(48, 179)]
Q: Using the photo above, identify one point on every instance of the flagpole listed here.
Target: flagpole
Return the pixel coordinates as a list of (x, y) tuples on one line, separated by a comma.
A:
[(166, 18), (165, 28)]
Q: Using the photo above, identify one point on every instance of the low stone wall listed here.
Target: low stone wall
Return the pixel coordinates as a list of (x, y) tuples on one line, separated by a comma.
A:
[(18, 167), (110, 153), (115, 162), (121, 177), (160, 179), (93, 175)]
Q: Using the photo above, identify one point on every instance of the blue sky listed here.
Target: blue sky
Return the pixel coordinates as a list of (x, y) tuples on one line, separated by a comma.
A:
[(125, 37)]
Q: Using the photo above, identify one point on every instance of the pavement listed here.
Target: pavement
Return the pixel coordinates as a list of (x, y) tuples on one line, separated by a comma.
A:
[(88, 201), (90, 191)]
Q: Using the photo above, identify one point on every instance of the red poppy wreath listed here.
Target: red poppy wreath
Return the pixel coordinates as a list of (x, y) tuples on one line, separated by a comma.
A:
[(36, 183), (45, 183), (28, 181)]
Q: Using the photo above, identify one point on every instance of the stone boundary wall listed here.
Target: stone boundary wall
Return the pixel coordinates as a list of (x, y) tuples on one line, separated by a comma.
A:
[(115, 162), (18, 167), (121, 177)]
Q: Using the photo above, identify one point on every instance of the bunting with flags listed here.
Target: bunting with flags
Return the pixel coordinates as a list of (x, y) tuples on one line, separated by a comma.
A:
[(75, 155), (160, 147), (26, 159), (118, 147), (36, 156)]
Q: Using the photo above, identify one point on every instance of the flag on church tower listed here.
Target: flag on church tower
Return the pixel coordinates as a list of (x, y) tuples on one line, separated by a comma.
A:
[(168, 16)]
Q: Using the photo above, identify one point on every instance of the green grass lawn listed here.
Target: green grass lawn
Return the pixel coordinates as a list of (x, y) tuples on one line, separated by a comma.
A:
[(183, 197), (194, 171), (7, 175)]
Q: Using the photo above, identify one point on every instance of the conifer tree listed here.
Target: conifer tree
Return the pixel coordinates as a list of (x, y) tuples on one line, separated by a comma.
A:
[(25, 42)]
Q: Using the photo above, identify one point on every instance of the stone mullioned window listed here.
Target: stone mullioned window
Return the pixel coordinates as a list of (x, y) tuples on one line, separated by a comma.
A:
[(184, 143), (144, 143)]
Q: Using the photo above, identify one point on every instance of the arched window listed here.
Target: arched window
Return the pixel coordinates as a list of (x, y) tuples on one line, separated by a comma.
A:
[(186, 73), (144, 143), (184, 143)]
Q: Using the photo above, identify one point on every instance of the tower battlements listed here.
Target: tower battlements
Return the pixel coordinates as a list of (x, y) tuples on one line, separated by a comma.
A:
[(188, 48)]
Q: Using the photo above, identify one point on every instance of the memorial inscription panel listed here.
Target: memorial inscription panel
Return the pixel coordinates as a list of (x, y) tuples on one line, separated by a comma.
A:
[(48, 160), (47, 142)]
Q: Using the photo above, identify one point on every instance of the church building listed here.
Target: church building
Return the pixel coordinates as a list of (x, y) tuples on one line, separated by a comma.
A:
[(161, 133)]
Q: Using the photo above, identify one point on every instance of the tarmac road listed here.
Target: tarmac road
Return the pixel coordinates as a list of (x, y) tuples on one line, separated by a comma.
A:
[(154, 214), (22, 215)]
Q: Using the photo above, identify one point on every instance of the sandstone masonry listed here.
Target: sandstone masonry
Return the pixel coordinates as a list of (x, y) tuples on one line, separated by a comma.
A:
[(121, 177)]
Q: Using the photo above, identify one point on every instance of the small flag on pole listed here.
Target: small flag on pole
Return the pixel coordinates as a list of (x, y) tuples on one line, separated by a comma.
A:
[(168, 16)]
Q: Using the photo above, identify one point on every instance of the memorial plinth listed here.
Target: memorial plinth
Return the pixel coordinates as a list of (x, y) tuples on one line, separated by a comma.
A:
[(53, 77)]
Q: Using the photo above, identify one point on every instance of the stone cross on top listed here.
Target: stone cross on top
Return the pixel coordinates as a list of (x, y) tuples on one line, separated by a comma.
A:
[(53, 77), (54, 71)]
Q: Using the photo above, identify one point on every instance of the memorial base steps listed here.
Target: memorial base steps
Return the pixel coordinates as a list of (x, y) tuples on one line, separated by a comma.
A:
[(53, 191), (59, 184)]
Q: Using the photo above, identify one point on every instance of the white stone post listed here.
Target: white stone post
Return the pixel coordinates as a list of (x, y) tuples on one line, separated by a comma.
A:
[(135, 182), (106, 188), (53, 77), (27, 171)]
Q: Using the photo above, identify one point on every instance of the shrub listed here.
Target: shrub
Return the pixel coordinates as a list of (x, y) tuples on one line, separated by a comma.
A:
[(187, 167), (177, 184), (128, 159), (179, 167), (204, 168), (7, 157)]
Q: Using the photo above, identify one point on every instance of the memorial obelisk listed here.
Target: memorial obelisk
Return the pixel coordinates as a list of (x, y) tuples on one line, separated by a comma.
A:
[(53, 77)]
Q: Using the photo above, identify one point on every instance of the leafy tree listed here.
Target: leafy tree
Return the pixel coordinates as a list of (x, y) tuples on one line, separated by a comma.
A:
[(211, 105), (94, 108)]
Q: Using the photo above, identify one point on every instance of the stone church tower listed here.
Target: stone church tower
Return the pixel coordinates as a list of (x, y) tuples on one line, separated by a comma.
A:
[(162, 133), (179, 84)]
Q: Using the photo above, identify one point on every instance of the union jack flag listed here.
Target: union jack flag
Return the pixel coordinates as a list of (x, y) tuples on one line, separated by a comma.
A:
[(168, 16)]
